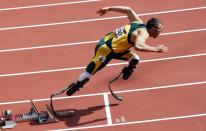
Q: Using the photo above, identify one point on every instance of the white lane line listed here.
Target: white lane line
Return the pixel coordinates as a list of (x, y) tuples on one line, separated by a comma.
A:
[(162, 59), (184, 31), (135, 122), (115, 64), (41, 72), (185, 85), (48, 5), (90, 42), (107, 108), (98, 19), (47, 46)]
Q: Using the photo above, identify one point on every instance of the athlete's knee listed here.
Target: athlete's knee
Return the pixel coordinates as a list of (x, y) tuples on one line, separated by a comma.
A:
[(127, 71), (135, 56), (84, 75), (133, 63), (91, 67)]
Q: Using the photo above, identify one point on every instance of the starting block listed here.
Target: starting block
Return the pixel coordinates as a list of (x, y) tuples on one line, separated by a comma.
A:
[(44, 117), (6, 121)]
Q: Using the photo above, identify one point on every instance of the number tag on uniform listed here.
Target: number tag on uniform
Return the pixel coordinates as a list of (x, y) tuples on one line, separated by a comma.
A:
[(120, 31), (101, 58)]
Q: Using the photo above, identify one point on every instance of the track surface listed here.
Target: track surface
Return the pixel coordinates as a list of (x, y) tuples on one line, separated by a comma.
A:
[(47, 44)]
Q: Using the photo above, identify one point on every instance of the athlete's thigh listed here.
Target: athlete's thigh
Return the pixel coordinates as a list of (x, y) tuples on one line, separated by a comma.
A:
[(102, 57), (127, 55)]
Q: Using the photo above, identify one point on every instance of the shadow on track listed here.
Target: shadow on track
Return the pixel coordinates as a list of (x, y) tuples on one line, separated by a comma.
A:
[(75, 121)]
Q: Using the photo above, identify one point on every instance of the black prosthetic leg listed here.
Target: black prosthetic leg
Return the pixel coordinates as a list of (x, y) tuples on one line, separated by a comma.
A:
[(128, 70), (76, 87)]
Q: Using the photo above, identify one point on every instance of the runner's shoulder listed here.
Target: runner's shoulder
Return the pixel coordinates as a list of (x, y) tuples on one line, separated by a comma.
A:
[(137, 22), (143, 32)]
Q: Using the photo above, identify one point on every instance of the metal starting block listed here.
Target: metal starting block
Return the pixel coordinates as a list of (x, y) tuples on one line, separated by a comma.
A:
[(44, 117), (6, 121), (9, 125)]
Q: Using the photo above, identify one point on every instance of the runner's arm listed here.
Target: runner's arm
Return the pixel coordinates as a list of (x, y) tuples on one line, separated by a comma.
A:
[(142, 46), (132, 16)]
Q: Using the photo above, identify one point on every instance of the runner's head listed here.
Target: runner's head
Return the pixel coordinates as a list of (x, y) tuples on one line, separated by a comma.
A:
[(154, 27)]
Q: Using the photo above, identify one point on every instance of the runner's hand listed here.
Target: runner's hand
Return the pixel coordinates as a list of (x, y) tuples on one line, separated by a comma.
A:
[(102, 11), (162, 48)]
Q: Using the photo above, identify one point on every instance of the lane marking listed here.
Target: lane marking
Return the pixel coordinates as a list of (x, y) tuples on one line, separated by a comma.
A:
[(184, 31), (90, 42), (99, 19), (48, 46), (48, 5), (135, 122), (107, 108), (162, 59), (115, 64), (99, 94)]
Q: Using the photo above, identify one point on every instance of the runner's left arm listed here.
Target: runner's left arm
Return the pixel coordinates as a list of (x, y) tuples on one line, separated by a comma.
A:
[(142, 46)]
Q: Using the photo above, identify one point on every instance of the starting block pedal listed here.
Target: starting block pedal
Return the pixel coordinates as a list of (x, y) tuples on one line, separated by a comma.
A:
[(32, 115), (44, 117)]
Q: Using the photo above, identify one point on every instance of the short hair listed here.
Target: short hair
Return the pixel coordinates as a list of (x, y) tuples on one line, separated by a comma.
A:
[(153, 22)]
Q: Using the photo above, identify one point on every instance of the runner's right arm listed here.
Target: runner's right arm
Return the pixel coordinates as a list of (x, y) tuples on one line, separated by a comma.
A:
[(132, 16)]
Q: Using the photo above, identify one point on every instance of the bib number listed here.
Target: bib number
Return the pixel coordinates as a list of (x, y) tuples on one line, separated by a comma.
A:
[(120, 31)]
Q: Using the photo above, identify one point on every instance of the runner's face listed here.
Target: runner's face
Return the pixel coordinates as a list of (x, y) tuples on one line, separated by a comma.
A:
[(155, 31)]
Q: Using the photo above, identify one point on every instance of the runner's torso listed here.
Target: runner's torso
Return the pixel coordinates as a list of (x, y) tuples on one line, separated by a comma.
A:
[(121, 37)]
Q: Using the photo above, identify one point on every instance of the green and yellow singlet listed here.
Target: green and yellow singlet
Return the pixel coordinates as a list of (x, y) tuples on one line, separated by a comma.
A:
[(121, 37)]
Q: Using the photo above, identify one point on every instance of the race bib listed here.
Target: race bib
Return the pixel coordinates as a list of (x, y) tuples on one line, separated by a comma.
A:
[(120, 31)]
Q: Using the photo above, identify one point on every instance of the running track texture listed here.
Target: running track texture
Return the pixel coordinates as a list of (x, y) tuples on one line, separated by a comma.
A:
[(45, 45)]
